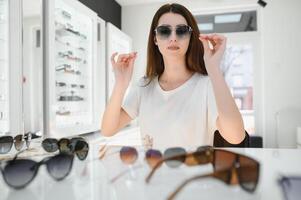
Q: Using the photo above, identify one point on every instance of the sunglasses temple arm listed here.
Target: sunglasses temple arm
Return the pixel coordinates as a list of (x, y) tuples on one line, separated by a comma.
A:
[(180, 187), (124, 172), (149, 176), (17, 154)]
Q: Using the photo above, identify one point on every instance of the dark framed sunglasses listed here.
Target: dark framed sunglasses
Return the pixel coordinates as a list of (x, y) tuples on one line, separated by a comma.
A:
[(229, 167), (18, 173), (75, 145), (6, 142), (164, 31)]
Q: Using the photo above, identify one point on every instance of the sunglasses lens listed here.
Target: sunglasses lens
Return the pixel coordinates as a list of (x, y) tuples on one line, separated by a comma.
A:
[(6, 143), (60, 166), (153, 157), (50, 145), (128, 155), (182, 31), (64, 145), (19, 142), (19, 173), (163, 31), (248, 173), (81, 149), (204, 155), (223, 160), (179, 155)]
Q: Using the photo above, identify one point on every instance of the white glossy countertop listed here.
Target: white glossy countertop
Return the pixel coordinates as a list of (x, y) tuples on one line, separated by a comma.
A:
[(90, 179)]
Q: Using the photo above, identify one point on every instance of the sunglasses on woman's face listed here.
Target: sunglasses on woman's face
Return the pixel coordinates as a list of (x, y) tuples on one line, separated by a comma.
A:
[(6, 142), (18, 173), (232, 168), (69, 146), (163, 32)]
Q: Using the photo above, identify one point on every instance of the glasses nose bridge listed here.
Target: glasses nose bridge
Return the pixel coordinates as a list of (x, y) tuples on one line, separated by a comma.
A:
[(173, 33)]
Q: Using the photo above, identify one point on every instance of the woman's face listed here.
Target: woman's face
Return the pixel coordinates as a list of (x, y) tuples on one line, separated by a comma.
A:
[(172, 44)]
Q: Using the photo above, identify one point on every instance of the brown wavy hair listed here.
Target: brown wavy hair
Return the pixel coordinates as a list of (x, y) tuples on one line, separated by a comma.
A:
[(195, 52)]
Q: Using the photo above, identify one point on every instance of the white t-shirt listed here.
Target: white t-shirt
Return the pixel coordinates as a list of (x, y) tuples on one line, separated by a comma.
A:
[(185, 116)]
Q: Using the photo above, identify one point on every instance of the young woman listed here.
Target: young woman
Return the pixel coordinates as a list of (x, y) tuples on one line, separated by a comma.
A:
[(183, 98)]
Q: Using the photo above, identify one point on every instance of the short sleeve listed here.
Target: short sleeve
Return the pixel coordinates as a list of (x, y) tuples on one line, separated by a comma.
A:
[(211, 109), (131, 102)]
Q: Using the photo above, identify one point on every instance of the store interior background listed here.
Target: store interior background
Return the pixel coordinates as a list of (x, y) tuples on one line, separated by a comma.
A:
[(276, 65)]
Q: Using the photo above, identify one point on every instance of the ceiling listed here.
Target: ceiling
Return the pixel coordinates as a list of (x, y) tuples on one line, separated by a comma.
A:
[(135, 2)]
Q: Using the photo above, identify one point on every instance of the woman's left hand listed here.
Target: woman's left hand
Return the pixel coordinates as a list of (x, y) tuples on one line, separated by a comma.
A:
[(214, 55)]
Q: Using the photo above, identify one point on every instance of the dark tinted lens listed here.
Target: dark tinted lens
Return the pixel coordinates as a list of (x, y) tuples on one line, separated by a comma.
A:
[(204, 155), (64, 145), (248, 173), (50, 145), (6, 143), (81, 149), (182, 31), (163, 31), (223, 175), (60, 166), (153, 157), (128, 155), (177, 154), (223, 159), (19, 173), (73, 142), (19, 142)]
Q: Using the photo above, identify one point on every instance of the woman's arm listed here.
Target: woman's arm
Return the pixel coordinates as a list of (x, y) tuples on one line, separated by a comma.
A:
[(229, 122), (114, 117)]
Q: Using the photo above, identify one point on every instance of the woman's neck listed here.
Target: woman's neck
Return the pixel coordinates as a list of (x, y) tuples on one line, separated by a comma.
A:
[(175, 70)]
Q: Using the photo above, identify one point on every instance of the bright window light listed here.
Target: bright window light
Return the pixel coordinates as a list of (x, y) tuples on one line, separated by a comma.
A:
[(230, 18), (205, 26)]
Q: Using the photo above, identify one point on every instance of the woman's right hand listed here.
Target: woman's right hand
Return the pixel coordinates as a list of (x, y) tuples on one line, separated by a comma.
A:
[(123, 67)]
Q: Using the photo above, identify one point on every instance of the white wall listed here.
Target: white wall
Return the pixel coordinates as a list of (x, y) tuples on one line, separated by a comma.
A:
[(280, 47), (32, 72)]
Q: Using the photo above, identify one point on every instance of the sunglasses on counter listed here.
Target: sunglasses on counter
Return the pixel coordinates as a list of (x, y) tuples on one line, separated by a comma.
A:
[(164, 31), (129, 155), (75, 145), (6, 142), (229, 167), (18, 173)]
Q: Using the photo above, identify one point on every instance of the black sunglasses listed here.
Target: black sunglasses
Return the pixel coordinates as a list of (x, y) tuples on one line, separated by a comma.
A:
[(75, 145), (164, 31), (6, 142), (18, 173)]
